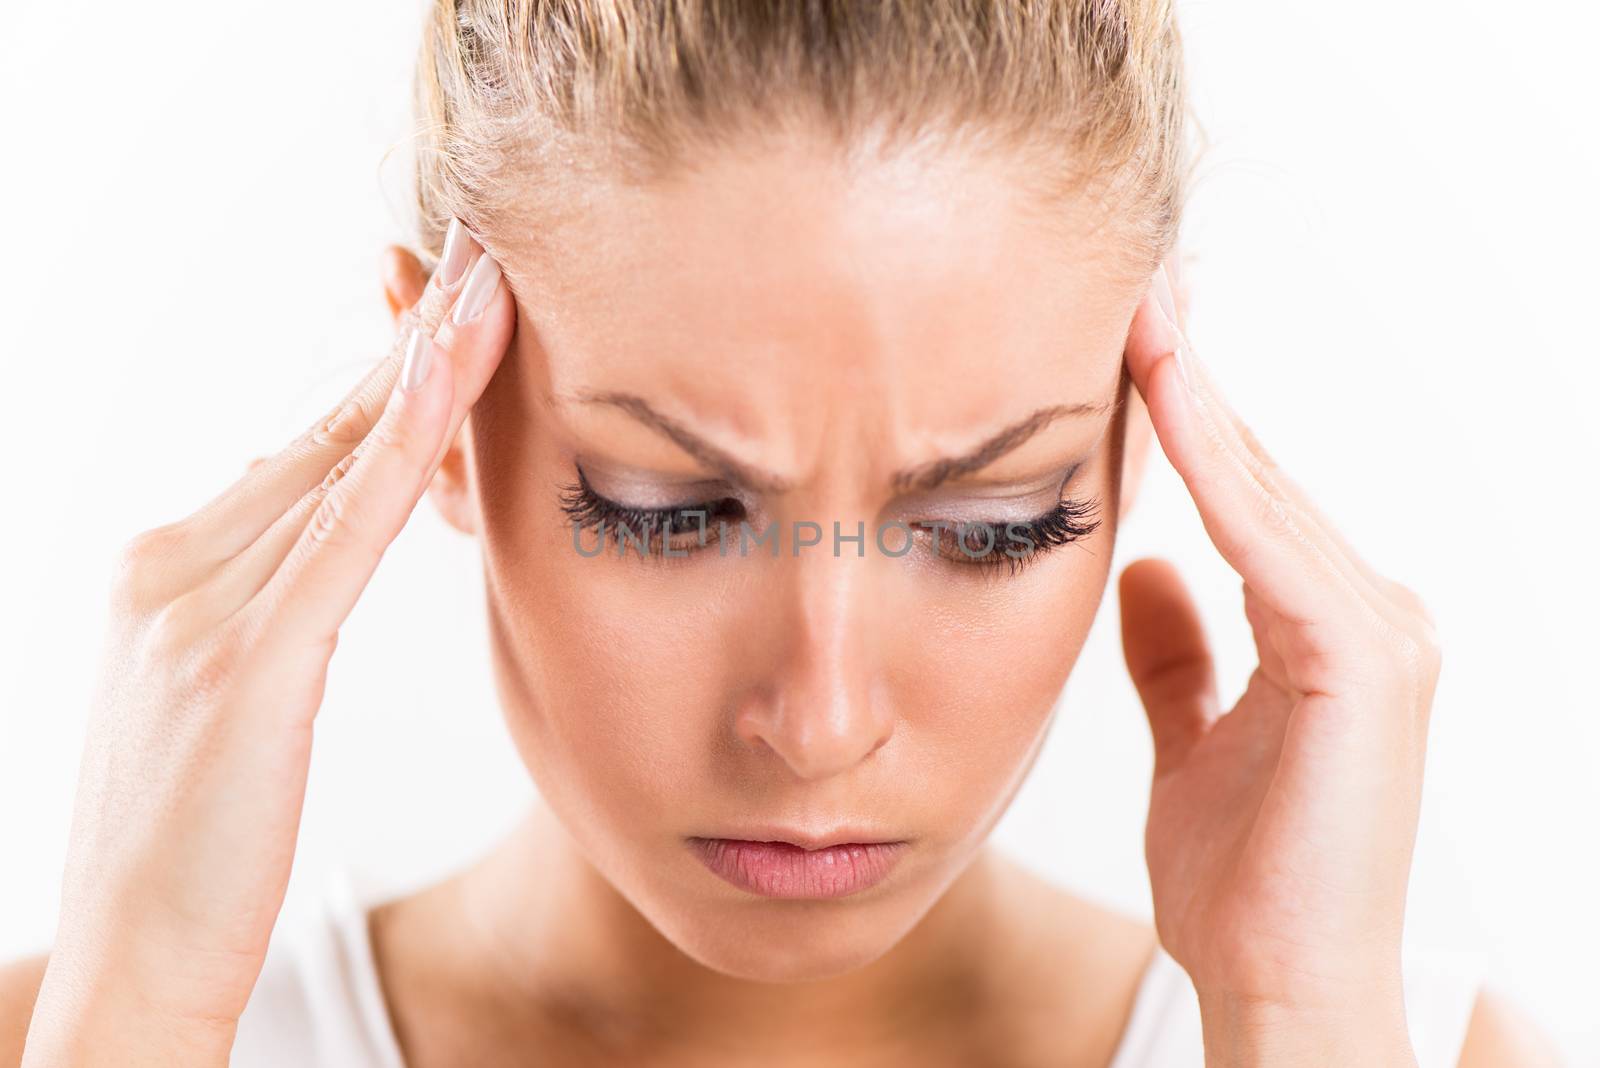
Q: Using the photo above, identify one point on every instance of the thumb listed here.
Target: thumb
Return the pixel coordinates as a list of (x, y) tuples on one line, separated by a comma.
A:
[(1165, 646)]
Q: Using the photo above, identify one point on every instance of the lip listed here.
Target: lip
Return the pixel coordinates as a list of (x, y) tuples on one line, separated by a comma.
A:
[(785, 869)]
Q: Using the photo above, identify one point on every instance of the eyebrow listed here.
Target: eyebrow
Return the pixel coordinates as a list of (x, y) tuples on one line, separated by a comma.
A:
[(936, 472), (696, 446), (921, 477)]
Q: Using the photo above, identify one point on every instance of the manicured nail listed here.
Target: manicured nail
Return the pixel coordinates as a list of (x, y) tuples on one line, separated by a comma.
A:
[(457, 248), (1180, 356), (1162, 287), (419, 359), (475, 294)]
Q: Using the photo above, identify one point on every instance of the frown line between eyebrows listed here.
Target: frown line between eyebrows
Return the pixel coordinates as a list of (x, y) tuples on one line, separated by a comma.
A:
[(921, 477)]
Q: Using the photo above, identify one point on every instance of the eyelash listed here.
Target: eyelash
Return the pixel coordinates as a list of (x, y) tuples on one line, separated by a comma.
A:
[(588, 510), (1070, 520)]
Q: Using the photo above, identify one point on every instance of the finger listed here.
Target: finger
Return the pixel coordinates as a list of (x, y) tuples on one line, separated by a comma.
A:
[(1168, 657), (330, 561), (476, 332), (1266, 637), (237, 516), (1275, 544), (1245, 442), (1399, 606), (473, 349), (235, 581), (1395, 600), (363, 504), (1178, 278)]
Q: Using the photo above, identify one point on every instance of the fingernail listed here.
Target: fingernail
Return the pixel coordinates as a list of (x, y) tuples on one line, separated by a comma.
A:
[(476, 293), (454, 258), (1180, 356), (1162, 287), (419, 359), (1163, 290)]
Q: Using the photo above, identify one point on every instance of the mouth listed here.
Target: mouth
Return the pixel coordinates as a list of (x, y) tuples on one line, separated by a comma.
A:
[(784, 869)]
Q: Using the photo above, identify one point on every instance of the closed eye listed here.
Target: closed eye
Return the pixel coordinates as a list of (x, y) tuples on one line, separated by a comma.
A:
[(1016, 544), (650, 529)]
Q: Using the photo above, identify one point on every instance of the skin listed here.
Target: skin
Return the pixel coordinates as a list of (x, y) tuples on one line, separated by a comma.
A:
[(829, 326), (805, 689)]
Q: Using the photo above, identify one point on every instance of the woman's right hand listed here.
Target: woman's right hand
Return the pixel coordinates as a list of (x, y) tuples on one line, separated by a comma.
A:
[(193, 775)]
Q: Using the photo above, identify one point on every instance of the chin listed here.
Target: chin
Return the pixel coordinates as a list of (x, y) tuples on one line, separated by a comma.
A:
[(790, 941)]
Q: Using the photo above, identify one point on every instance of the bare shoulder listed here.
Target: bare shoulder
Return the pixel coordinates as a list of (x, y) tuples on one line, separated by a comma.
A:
[(19, 987), (1500, 1035)]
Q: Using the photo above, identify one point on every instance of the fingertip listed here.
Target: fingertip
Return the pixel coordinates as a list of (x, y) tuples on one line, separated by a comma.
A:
[(1147, 575), (1170, 404), (1131, 575), (418, 361), (1151, 336), (478, 339), (1147, 561), (501, 303), (477, 292), (423, 388), (459, 249)]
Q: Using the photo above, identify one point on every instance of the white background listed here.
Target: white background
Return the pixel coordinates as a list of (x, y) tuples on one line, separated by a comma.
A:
[(1396, 275)]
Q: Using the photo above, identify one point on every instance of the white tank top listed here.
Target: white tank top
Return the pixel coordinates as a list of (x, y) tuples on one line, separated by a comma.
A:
[(318, 1003)]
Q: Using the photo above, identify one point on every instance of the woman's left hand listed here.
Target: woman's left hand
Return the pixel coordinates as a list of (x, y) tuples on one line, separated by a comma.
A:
[(1280, 834)]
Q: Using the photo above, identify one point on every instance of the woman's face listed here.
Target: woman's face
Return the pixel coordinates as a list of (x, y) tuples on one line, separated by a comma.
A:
[(784, 342)]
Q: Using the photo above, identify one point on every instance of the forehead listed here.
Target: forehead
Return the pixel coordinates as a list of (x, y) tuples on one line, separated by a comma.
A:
[(764, 286)]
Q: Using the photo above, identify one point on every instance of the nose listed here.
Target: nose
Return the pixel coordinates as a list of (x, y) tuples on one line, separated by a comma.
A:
[(822, 707)]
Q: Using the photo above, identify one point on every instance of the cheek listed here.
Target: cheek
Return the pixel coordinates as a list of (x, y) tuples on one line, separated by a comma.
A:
[(619, 677), (980, 674), (630, 689), (603, 674), (989, 653), (609, 679)]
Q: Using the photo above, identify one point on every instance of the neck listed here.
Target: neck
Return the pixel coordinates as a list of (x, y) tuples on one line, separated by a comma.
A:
[(560, 934)]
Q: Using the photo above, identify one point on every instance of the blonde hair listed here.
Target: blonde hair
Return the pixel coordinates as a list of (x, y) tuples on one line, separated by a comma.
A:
[(514, 95)]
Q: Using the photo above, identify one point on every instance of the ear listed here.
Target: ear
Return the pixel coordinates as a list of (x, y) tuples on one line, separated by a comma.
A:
[(1139, 436), (404, 281)]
